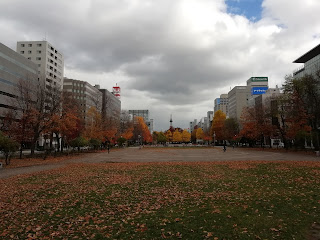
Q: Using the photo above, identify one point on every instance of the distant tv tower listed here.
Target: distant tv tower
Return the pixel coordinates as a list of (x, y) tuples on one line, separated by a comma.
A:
[(116, 91), (170, 120)]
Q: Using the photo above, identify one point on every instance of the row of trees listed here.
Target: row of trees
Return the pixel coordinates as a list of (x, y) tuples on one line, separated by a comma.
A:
[(39, 111), (293, 117)]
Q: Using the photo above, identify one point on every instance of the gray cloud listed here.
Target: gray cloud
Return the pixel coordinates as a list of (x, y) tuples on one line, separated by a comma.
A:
[(168, 56)]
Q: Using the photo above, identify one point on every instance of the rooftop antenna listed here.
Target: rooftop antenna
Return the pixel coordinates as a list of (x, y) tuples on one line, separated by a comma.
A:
[(170, 120)]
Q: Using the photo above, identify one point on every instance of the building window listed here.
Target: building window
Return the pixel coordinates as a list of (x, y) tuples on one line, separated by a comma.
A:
[(29, 52), (39, 51), (22, 45), (29, 58), (39, 45), (38, 58), (39, 65), (22, 52), (29, 45)]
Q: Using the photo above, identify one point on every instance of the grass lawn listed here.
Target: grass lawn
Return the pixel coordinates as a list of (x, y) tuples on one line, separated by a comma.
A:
[(220, 200)]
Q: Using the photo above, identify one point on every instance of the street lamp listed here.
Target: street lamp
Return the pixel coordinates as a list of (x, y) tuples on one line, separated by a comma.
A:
[(139, 141), (214, 138)]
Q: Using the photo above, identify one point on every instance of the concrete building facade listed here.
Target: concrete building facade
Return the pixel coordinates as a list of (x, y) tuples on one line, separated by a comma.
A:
[(221, 104), (13, 69), (49, 60), (87, 95), (111, 106), (240, 96)]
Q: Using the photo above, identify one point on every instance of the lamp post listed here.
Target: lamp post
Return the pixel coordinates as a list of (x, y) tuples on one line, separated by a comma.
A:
[(139, 141), (214, 138)]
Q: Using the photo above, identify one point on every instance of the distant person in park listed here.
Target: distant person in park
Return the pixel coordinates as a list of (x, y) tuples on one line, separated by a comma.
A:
[(224, 146)]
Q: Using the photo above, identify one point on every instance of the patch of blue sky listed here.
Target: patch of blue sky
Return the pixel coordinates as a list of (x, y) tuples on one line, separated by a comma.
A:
[(251, 9)]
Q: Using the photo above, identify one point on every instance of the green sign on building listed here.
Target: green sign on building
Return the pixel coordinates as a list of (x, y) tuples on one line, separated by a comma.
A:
[(259, 79)]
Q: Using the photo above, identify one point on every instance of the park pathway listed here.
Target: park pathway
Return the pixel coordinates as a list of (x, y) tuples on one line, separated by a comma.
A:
[(166, 155)]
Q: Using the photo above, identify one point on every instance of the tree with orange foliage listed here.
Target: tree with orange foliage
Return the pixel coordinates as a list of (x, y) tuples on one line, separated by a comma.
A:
[(126, 127), (206, 137), (141, 129), (93, 128), (257, 124)]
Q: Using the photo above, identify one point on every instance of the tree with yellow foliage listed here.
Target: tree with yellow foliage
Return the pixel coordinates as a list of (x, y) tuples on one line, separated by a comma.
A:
[(199, 134), (218, 125), (186, 136), (169, 136), (177, 137)]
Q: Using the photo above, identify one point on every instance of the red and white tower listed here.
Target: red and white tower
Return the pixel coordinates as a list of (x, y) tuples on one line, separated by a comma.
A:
[(116, 91)]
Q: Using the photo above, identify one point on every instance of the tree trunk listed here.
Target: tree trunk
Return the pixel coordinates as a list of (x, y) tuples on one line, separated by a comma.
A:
[(7, 159), (21, 146)]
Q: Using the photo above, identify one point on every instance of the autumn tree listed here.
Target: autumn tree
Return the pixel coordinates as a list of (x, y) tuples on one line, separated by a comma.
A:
[(304, 105), (199, 134), (7, 146), (93, 128), (126, 126), (69, 122), (177, 137), (169, 135), (231, 127), (141, 129), (194, 134), (161, 138), (217, 127), (36, 105), (186, 136)]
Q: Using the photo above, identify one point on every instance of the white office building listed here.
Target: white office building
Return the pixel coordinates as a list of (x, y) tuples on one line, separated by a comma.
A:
[(221, 104), (240, 96), (49, 60)]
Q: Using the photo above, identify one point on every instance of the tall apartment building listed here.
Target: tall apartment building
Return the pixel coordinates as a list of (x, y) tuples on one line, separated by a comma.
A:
[(13, 69), (221, 104), (87, 95), (311, 63), (145, 115), (111, 106), (49, 60)]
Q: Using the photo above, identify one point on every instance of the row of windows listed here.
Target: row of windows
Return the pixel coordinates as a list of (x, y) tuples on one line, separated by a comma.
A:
[(40, 45), (37, 58), (29, 52), (30, 45)]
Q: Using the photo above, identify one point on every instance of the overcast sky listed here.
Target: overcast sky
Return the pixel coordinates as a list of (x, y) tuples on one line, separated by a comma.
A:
[(168, 56)]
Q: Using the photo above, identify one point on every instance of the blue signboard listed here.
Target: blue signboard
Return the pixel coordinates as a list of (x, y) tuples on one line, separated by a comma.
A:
[(258, 90)]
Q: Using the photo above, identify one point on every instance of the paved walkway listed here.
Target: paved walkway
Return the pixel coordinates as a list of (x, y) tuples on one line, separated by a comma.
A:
[(166, 155)]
